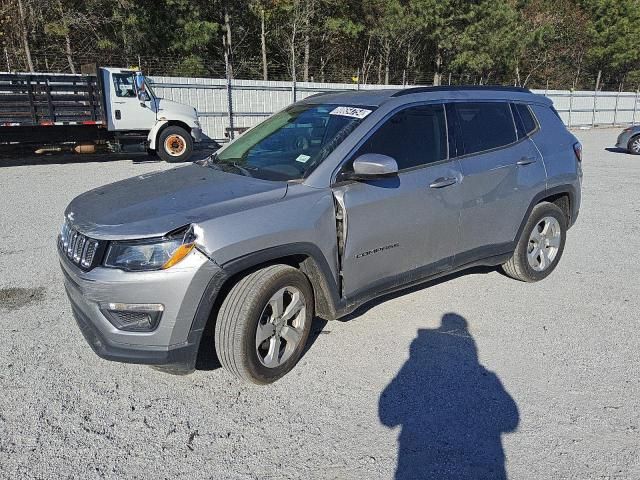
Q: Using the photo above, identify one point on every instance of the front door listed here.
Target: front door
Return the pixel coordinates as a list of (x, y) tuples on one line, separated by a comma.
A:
[(406, 226), (126, 112)]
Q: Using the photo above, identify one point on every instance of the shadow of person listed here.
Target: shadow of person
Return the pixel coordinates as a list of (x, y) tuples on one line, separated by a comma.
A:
[(451, 410)]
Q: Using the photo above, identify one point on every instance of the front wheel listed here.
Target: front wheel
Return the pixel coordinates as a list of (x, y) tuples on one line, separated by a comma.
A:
[(634, 145), (174, 144), (540, 246), (263, 324)]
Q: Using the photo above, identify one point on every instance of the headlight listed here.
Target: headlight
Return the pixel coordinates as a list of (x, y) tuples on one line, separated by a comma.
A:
[(150, 254)]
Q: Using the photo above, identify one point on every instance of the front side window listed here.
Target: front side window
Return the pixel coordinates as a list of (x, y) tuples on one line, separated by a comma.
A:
[(290, 144), (484, 126), (123, 84), (414, 136)]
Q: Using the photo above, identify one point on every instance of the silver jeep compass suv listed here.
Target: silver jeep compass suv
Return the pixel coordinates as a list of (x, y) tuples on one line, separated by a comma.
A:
[(333, 201)]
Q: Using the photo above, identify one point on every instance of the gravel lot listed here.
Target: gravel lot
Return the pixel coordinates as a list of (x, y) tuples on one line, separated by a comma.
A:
[(546, 376)]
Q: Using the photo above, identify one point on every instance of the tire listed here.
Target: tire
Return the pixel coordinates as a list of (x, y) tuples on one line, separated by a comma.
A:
[(550, 222), (174, 144), (249, 309), (633, 146)]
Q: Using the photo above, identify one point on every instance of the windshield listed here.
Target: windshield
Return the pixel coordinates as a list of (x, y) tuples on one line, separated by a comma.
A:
[(290, 144)]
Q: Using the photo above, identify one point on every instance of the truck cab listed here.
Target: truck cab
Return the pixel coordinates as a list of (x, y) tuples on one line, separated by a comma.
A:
[(132, 107)]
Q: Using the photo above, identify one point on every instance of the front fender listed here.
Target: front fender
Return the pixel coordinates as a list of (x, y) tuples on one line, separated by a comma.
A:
[(153, 133)]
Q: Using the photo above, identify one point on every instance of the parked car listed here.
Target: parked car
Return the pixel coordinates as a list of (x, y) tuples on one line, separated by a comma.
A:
[(629, 140), (336, 200)]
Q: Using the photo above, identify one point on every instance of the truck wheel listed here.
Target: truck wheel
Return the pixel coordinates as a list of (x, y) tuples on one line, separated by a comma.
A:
[(263, 324), (174, 144), (540, 246)]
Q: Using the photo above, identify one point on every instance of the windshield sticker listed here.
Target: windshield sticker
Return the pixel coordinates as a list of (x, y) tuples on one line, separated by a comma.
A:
[(350, 112), (303, 158)]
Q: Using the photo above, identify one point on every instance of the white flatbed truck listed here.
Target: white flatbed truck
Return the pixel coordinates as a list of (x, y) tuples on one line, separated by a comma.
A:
[(102, 106)]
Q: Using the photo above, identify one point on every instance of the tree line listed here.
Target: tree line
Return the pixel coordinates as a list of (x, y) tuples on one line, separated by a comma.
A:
[(531, 43)]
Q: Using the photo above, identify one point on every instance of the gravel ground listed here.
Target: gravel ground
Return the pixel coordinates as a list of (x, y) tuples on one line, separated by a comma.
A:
[(541, 378)]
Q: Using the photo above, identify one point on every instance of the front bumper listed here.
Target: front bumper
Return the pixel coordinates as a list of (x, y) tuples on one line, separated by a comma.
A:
[(196, 133), (623, 140), (187, 292)]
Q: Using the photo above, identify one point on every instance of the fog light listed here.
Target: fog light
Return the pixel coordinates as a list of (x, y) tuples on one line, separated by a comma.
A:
[(133, 317)]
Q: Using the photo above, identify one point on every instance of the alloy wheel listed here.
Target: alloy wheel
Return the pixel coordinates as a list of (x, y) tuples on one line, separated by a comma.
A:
[(544, 243), (281, 326)]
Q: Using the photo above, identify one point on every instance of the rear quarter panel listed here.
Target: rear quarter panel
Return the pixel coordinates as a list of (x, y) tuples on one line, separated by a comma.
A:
[(555, 144)]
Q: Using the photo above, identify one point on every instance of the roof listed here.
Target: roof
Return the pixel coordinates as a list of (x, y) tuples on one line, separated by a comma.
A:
[(376, 98)]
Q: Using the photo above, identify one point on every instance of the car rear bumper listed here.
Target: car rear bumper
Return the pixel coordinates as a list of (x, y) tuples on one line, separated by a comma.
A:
[(187, 295)]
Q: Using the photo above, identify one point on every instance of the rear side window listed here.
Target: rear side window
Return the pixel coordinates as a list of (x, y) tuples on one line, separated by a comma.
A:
[(414, 136), (525, 122), (484, 126)]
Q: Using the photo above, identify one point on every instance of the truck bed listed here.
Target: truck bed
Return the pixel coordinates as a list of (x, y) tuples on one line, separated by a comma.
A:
[(28, 99)]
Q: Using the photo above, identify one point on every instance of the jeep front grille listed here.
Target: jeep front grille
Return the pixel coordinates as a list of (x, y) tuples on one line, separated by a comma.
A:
[(77, 247)]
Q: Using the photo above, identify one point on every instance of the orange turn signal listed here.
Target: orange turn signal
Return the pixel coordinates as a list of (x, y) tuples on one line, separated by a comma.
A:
[(181, 252)]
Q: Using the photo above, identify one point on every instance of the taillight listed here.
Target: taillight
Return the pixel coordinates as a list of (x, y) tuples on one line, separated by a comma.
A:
[(577, 148)]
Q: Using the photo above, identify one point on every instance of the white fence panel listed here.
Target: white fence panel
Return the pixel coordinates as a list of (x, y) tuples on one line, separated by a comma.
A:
[(254, 100)]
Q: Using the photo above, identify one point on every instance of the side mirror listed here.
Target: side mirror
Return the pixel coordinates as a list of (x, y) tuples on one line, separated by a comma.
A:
[(143, 96), (372, 165)]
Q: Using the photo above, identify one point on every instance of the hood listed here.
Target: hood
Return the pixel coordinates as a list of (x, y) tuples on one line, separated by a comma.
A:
[(173, 110), (153, 204)]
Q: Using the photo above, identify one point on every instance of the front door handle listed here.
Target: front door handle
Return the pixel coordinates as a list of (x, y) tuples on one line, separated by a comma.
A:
[(526, 161), (443, 182)]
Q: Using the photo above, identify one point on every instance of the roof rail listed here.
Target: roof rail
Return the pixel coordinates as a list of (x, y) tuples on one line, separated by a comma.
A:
[(457, 88)]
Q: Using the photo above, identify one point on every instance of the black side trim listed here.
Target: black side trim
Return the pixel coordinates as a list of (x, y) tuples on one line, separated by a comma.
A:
[(568, 189), (488, 252), (417, 277), (318, 271), (204, 310)]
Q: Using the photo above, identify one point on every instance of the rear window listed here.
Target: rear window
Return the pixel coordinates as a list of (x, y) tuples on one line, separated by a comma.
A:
[(484, 126), (525, 122)]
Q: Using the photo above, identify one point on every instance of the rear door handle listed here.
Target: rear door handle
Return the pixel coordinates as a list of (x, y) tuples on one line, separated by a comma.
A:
[(443, 182), (526, 161)]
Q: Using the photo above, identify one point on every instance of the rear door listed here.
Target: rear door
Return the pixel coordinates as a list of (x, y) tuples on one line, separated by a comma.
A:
[(402, 227), (502, 172), (126, 112)]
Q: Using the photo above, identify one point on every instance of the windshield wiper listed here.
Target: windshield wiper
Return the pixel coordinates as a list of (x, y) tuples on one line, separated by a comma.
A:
[(226, 166)]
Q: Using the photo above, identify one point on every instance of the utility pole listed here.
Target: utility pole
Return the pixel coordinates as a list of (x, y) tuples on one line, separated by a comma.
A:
[(595, 99), (226, 43)]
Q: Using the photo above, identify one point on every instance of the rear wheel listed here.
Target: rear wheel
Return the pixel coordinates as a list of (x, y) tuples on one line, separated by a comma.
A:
[(263, 324), (634, 145), (540, 246), (174, 144)]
